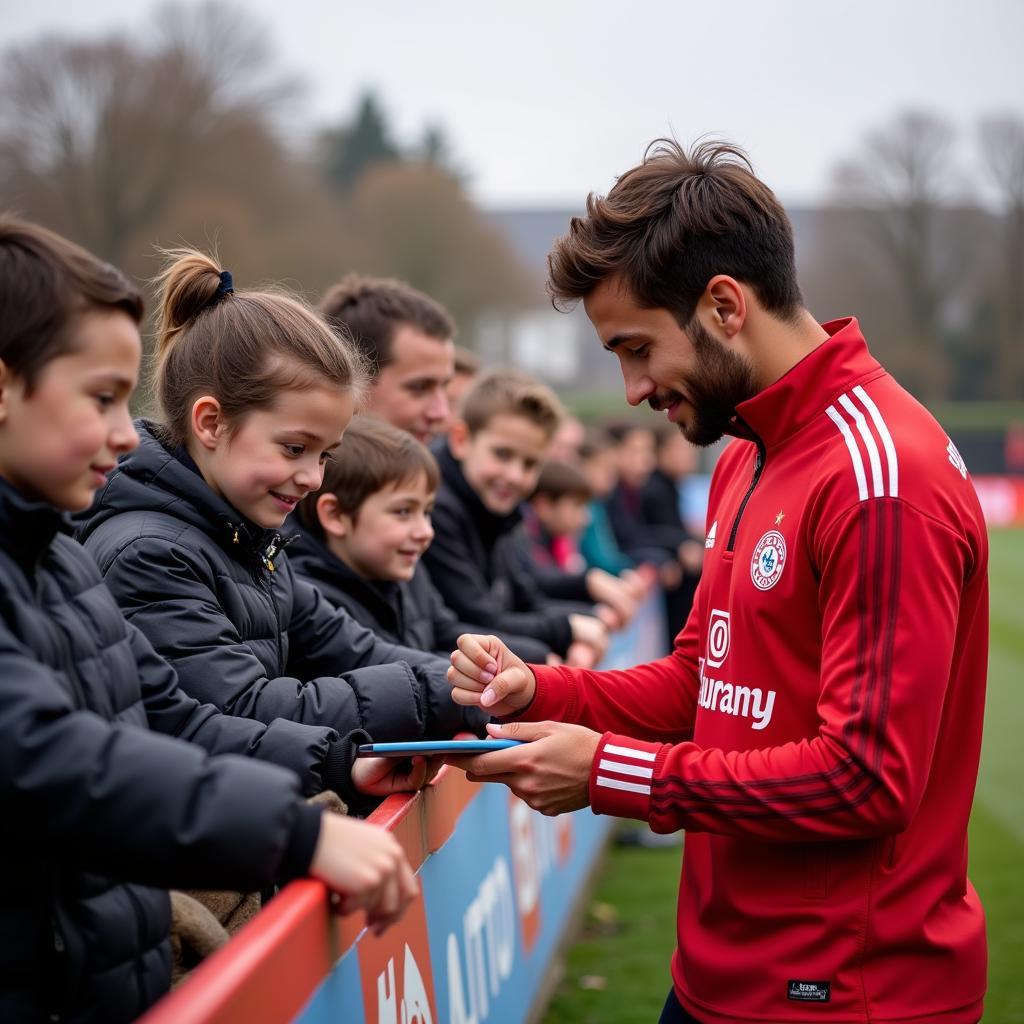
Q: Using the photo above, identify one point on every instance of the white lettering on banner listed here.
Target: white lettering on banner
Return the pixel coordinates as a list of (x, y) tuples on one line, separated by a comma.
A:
[(415, 1007), (740, 701), (489, 941)]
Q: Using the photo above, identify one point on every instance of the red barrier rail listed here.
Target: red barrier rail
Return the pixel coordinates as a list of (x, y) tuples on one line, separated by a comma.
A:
[(241, 981)]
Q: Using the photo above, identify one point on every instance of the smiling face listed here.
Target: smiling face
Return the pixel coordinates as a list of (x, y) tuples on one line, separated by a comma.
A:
[(58, 443), (688, 374), (502, 460), (388, 534), (410, 391), (264, 464)]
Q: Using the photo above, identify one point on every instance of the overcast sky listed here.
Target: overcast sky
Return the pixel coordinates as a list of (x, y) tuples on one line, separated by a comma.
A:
[(544, 101)]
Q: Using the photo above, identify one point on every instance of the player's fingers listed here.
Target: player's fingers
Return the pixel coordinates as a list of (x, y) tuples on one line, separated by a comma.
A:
[(466, 666), (504, 685), (481, 650)]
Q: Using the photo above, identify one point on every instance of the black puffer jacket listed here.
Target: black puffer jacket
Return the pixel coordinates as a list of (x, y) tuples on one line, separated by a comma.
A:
[(100, 813), (217, 599), (476, 565), (411, 613)]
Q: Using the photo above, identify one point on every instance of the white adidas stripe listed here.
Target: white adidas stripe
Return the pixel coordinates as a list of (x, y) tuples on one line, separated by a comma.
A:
[(629, 787), (884, 481), (626, 769), (883, 433), (869, 443), (640, 755)]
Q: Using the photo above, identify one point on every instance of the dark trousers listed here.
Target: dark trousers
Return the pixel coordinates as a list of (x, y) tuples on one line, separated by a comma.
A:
[(673, 1013)]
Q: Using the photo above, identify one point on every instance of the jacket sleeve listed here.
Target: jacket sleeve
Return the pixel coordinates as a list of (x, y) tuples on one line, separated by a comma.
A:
[(307, 750), (323, 637), (187, 627), (468, 594), (891, 580), (129, 803), (656, 701)]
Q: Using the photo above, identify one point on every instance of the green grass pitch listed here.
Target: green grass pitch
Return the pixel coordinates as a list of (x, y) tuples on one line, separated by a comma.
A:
[(617, 973)]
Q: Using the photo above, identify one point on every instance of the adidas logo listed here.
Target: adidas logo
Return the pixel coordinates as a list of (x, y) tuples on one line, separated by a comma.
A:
[(710, 541)]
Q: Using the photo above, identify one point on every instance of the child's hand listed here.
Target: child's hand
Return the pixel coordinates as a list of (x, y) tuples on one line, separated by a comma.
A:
[(381, 776), (366, 867), (591, 632), (486, 674), (604, 588)]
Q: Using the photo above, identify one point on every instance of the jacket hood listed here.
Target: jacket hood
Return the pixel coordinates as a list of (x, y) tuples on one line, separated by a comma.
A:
[(158, 478)]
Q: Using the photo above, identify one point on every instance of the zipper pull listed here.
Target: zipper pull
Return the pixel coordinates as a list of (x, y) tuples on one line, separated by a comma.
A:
[(234, 540)]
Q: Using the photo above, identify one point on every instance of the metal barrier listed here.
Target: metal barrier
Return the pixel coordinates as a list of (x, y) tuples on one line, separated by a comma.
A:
[(498, 883)]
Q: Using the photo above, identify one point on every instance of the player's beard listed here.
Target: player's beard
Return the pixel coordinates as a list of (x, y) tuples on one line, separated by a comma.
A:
[(719, 382)]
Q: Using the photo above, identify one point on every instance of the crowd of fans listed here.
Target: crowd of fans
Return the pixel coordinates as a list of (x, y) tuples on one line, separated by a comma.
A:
[(204, 613)]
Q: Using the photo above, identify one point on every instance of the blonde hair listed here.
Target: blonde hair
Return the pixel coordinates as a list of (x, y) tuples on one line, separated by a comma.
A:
[(241, 347), (511, 393)]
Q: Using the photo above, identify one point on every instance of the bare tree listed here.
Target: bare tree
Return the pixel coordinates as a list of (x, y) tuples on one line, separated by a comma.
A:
[(1002, 148), (99, 138), (901, 186)]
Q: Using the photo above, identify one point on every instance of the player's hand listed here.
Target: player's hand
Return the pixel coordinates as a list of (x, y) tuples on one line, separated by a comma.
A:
[(381, 776), (604, 588), (551, 771), (485, 673), (364, 865)]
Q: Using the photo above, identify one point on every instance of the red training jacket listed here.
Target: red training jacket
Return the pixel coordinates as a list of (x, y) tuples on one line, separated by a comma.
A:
[(817, 728)]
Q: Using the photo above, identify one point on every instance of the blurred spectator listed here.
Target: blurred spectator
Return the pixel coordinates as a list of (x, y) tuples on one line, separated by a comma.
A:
[(559, 514), (467, 369), (406, 337), (599, 545), (565, 445)]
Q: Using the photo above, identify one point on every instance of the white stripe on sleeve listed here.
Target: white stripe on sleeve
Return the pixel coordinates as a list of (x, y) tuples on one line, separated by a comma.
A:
[(869, 443), (626, 769), (629, 787), (640, 755), (851, 444), (883, 433)]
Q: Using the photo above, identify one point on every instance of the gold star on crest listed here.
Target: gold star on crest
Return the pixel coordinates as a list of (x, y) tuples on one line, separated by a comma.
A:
[(779, 518)]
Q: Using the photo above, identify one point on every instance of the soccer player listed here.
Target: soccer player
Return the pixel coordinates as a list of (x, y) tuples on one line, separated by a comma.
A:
[(816, 730)]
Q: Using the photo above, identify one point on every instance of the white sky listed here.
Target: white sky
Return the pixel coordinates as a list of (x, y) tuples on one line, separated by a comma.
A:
[(545, 101)]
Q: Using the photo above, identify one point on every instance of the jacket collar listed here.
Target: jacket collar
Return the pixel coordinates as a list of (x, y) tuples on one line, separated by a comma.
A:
[(490, 525), (804, 392), (313, 559), (27, 527)]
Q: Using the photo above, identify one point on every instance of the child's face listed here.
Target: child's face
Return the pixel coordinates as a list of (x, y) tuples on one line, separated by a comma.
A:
[(389, 534), (502, 461), (273, 457), (59, 443), (636, 457), (566, 516), (600, 472)]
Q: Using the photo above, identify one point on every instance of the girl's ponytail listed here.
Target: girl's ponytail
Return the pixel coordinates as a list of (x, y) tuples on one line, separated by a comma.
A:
[(188, 286)]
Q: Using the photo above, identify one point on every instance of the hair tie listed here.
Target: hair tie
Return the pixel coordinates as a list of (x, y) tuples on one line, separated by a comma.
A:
[(226, 287)]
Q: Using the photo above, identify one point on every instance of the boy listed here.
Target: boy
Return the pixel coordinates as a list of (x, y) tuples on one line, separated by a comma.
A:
[(489, 466), (558, 515), (365, 531)]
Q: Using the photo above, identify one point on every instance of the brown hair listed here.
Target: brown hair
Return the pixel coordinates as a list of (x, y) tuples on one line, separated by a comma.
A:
[(373, 455), (371, 309), (45, 281), (466, 362), (671, 224), (560, 480), (511, 393), (595, 441), (241, 347)]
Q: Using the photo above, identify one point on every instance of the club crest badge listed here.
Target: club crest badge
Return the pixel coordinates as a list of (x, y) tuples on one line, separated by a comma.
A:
[(768, 561)]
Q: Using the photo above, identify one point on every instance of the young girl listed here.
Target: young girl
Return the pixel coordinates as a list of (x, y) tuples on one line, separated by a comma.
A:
[(256, 392), (100, 813)]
